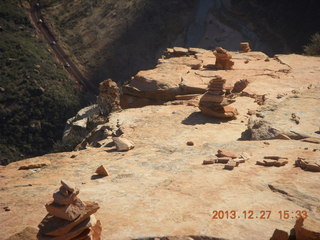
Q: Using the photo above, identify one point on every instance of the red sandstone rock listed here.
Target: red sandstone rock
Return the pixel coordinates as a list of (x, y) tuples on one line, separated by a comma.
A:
[(226, 153), (68, 185), (223, 160), (307, 229), (109, 97), (240, 85), (245, 47), (227, 112), (213, 103), (34, 165), (223, 59), (279, 235), (54, 226), (102, 171), (67, 212), (61, 199), (312, 165), (207, 162), (231, 165)]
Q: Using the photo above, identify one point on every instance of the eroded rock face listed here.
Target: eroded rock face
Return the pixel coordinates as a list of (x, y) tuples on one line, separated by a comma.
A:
[(109, 97), (223, 59)]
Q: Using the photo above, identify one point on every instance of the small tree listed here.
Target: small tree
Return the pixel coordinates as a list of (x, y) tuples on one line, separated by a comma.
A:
[(313, 48)]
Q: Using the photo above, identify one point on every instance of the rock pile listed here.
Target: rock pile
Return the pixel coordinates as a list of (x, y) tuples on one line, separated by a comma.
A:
[(69, 218), (245, 47), (109, 97), (223, 59), (214, 103), (275, 161), (240, 85), (308, 165), (228, 158)]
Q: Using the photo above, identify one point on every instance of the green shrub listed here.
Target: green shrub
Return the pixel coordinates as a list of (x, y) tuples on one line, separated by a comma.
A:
[(36, 95), (313, 48)]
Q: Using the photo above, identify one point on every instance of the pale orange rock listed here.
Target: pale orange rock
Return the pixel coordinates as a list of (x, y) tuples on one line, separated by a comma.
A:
[(73, 233), (67, 212), (34, 165), (226, 153), (54, 226), (214, 103), (279, 235), (123, 144), (231, 165), (245, 47), (102, 171), (223, 59), (62, 199), (109, 97)]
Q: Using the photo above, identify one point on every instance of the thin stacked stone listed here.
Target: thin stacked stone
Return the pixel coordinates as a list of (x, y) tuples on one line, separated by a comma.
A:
[(245, 47), (69, 218), (214, 103), (109, 97), (223, 59)]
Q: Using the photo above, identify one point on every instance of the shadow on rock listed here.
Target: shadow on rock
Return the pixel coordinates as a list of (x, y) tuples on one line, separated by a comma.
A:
[(96, 176), (196, 118)]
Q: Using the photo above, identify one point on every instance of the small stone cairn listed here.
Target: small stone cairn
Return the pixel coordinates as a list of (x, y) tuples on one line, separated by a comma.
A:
[(69, 218), (245, 47), (214, 103), (109, 97), (223, 59)]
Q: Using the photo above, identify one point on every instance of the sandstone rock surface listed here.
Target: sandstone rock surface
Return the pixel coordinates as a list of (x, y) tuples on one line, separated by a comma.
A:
[(161, 188)]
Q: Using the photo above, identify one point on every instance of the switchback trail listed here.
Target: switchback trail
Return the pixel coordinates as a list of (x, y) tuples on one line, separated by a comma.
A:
[(62, 56)]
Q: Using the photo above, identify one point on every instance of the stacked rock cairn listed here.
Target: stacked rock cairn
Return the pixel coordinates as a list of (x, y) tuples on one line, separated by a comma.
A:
[(214, 103), (69, 218), (109, 97), (245, 47), (223, 59)]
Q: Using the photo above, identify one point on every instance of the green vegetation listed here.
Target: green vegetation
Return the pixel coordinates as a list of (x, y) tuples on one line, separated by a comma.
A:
[(313, 48), (36, 95)]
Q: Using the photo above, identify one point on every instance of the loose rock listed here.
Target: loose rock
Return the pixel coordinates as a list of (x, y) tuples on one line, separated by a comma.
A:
[(226, 153), (123, 144), (102, 171)]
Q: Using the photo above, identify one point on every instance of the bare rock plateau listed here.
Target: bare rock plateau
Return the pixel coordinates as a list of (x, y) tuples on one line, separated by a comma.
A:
[(164, 187)]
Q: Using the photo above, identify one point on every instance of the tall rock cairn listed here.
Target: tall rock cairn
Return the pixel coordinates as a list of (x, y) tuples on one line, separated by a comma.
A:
[(223, 59), (109, 97), (69, 218), (214, 103), (244, 46)]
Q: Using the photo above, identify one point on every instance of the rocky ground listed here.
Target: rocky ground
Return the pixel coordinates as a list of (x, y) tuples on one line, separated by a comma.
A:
[(161, 187)]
